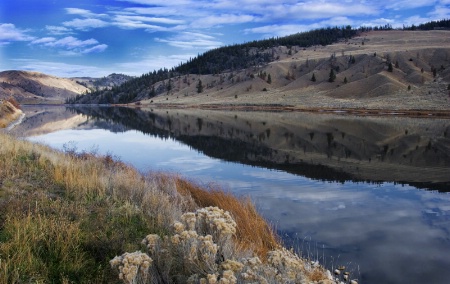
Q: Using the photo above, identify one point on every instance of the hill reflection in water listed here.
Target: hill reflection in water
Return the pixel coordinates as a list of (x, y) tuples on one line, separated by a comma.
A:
[(321, 146)]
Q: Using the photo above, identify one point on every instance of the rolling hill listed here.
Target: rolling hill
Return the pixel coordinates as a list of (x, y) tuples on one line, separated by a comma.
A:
[(37, 88), (384, 69)]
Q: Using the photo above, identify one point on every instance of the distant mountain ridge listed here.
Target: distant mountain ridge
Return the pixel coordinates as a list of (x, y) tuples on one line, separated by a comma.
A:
[(35, 87)]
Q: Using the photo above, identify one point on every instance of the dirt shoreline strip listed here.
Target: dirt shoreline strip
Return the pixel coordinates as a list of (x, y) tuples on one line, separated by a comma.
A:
[(423, 113)]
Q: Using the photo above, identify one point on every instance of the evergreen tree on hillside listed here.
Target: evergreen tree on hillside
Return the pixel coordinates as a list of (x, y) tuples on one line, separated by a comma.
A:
[(332, 76), (199, 86), (390, 68), (313, 78)]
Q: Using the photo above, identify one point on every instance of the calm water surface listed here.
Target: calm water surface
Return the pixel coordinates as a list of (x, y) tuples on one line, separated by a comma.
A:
[(384, 231)]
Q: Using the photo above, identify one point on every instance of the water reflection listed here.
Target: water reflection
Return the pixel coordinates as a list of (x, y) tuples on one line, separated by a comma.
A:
[(326, 147), (384, 232)]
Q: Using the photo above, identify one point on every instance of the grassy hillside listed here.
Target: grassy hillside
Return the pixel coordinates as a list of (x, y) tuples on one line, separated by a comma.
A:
[(72, 218), (419, 77), (339, 67)]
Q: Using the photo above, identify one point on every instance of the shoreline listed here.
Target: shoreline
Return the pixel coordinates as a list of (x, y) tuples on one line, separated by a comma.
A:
[(423, 113)]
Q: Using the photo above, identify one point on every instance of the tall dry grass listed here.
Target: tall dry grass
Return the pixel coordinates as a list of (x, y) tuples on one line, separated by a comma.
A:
[(64, 216), (108, 204)]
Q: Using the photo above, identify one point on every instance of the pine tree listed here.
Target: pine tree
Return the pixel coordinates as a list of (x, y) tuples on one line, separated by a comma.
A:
[(269, 79), (332, 76), (199, 86), (390, 68), (313, 78), (345, 80)]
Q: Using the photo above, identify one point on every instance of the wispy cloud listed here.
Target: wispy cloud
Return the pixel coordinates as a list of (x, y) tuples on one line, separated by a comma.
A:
[(86, 24), (84, 13), (58, 30), (440, 12), (143, 19), (95, 49), (189, 40), (217, 20), (44, 40), (72, 44), (61, 69)]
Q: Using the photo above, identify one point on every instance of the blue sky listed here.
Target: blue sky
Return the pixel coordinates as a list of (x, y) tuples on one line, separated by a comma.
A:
[(98, 37)]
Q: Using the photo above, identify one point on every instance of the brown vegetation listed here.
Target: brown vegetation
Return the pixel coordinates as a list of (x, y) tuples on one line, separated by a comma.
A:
[(64, 216)]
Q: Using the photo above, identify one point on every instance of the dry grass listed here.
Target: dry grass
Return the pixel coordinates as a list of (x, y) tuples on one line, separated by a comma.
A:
[(253, 232), (86, 207), (64, 216)]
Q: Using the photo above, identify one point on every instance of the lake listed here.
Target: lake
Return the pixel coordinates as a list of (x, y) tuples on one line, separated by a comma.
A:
[(369, 193)]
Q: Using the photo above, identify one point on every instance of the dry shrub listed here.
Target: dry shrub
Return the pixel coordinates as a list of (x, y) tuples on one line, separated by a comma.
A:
[(200, 249), (253, 232)]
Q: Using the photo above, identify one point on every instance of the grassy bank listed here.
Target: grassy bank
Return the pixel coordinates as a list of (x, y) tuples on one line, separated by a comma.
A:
[(64, 217)]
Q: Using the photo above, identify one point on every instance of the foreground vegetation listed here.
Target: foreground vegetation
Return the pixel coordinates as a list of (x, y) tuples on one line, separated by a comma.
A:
[(81, 218)]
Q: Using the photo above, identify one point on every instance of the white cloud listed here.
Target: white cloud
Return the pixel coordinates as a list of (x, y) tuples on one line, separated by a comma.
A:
[(155, 11), (62, 69), (84, 13), (216, 20), (188, 40), (140, 19), (72, 46), (44, 40), (407, 4), (9, 33), (322, 10), (96, 49), (71, 42), (161, 2), (86, 24), (440, 12), (57, 30)]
